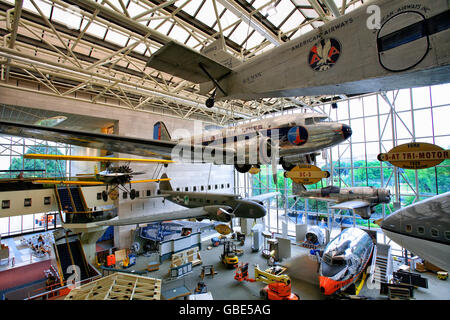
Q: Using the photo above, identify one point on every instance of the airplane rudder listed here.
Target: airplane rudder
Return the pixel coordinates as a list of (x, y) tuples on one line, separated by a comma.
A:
[(165, 185), (160, 131)]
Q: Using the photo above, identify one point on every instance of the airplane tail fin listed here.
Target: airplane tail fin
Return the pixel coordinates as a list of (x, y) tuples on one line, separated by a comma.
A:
[(160, 132), (217, 51), (165, 185)]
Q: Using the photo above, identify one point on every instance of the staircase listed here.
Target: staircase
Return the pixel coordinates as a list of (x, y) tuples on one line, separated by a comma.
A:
[(381, 264)]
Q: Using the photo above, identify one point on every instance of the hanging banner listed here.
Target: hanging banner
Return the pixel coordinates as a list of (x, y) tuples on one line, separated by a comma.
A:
[(306, 174), (415, 155)]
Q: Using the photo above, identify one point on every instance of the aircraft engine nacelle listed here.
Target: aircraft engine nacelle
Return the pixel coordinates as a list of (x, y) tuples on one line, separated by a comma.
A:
[(219, 213), (384, 195), (300, 158), (254, 150)]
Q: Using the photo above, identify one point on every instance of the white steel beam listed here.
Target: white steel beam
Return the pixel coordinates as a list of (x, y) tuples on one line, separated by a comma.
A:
[(247, 18)]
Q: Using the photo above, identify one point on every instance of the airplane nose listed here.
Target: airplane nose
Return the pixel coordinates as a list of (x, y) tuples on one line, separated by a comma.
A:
[(346, 131)]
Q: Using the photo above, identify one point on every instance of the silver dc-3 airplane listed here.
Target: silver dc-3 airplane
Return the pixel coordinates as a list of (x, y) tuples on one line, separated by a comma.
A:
[(289, 139), (382, 45), (362, 200)]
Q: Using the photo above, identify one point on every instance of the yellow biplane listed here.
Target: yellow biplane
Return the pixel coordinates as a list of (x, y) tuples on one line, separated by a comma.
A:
[(114, 177)]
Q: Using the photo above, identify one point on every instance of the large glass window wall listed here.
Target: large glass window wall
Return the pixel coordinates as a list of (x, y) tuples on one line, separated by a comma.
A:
[(14, 166), (379, 122)]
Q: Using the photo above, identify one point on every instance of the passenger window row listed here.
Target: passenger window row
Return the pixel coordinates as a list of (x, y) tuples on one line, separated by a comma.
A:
[(203, 188), (421, 230)]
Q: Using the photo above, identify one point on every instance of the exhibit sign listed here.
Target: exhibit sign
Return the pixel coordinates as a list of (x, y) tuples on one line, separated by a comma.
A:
[(306, 174), (254, 170), (415, 155), (223, 229)]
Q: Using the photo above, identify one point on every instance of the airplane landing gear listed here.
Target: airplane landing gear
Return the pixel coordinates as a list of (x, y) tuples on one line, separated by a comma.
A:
[(242, 168), (287, 166), (210, 101)]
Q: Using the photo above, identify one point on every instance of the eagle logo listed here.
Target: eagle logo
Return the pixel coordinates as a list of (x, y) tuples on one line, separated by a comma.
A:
[(324, 54)]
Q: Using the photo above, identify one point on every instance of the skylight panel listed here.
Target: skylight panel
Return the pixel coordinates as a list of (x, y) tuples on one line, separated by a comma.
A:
[(310, 13), (96, 30), (280, 12), (192, 7), (43, 6), (117, 38), (165, 27), (254, 40), (241, 32), (178, 34), (227, 19), (293, 22), (134, 9), (207, 14), (192, 43), (68, 17)]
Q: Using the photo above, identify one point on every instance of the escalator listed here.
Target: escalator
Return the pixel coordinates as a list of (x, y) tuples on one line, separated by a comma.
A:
[(70, 257)]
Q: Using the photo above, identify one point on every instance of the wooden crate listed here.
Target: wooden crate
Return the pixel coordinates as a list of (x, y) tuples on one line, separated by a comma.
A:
[(183, 257), (119, 286)]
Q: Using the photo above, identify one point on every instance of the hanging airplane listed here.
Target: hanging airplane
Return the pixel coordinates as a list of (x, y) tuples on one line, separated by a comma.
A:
[(201, 205), (114, 177), (344, 259), (362, 200), (393, 45), (286, 139), (423, 228)]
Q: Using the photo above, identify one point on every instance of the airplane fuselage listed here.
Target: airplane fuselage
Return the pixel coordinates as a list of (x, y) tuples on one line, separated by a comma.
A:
[(423, 228), (343, 260), (242, 208), (404, 44), (293, 135), (372, 195)]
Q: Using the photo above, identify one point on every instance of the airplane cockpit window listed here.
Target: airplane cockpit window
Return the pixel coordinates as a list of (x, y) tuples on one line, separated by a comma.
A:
[(330, 189), (313, 120)]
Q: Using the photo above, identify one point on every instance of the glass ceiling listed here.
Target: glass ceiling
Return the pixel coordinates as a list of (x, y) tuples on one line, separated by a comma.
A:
[(102, 39), (285, 16)]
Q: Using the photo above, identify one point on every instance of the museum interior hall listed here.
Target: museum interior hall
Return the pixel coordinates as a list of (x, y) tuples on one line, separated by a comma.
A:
[(241, 151)]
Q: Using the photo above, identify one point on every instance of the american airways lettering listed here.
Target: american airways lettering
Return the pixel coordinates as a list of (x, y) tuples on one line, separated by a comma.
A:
[(320, 35), (416, 7)]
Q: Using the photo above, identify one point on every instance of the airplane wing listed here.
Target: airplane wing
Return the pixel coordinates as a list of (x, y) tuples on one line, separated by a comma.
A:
[(209, 212), (359, 207), (353, 204), (161, 149), (89, 158), (81, 183), (89, 183), (184, 62), (264, 196)]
